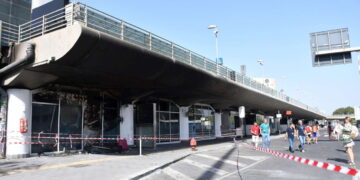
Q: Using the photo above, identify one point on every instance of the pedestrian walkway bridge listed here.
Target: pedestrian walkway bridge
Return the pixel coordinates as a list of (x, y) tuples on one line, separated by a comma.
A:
[(78, 18), (340, 116)]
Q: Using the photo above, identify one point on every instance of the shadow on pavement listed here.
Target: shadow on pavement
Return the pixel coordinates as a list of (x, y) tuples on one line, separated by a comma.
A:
[(341, 150), (338, 160), (218, 165), (8, 167), (182, 145)]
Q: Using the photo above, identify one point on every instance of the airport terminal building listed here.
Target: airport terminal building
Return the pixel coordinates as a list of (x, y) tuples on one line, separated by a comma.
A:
[(78, 77)]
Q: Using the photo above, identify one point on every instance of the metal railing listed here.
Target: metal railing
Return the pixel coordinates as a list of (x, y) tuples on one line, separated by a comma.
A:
[(95, 19)]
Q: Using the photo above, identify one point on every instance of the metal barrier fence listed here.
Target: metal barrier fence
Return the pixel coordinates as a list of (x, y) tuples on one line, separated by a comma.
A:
[(95, 19)]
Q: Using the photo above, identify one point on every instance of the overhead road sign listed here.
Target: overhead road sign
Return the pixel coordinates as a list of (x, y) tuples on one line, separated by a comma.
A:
[(331, 47)]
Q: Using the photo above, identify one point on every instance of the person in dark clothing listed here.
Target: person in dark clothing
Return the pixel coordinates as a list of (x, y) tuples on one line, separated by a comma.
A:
[(290, 135), (330, 130), (300, 133)]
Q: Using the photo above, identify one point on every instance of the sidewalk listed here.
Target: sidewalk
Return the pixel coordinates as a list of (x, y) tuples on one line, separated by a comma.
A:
[(123, 166), (113, 166)]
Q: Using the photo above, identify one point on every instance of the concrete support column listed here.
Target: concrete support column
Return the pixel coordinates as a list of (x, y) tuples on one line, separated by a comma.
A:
[(184, 123), (127, 123), (19, 107), (218, 124)]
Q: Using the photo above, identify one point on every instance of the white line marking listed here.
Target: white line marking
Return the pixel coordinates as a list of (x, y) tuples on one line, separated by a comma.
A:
[(219, 159), (254, 158), (206, 167), (176, 174), (244, 168)]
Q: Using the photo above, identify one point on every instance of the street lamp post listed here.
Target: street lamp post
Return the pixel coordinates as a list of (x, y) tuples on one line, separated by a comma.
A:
[(216, 32), (261, 62)]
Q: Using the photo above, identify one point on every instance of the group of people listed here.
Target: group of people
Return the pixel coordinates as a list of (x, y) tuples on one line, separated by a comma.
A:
[(308, 134), (304, 133), (264, 131)]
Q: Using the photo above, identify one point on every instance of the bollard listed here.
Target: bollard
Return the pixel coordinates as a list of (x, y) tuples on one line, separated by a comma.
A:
[(70, 137), (193, 144), (140, 147)]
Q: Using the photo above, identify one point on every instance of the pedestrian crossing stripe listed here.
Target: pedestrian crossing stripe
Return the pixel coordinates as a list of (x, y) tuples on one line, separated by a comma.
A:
[(206, 167), (219, 159), (176, 174), (255, 158)]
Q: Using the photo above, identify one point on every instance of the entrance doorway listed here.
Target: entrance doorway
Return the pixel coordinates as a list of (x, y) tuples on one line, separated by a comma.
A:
[(201, 121), (167, 122), (144, 122)]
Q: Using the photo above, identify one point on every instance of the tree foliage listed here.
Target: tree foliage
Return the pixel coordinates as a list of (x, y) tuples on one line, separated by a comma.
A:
[(344, 110)]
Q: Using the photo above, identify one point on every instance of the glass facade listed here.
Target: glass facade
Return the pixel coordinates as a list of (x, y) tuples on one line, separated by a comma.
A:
[(44, 124), (201, 121), (15, 11), (111, 119), (167, 121), (229, 122), (83, 121)]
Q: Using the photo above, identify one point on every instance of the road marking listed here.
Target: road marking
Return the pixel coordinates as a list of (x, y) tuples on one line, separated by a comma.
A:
[(206, 167), (61, 165), (255, 158), (176, 174), (242, 169), (219, 159)]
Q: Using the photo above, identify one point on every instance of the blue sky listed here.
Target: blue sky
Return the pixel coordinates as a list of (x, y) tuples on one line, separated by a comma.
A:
[(276, 31)]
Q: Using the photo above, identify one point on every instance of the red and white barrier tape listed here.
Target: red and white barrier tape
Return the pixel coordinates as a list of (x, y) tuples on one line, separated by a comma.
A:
[(13, 139), (70, 137), (323, 165)]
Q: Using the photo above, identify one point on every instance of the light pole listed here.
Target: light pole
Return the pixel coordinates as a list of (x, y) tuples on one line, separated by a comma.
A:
[(261, 62), (359, 61), (216, 32)]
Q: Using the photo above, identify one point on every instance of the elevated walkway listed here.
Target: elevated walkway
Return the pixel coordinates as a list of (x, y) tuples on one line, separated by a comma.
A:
[(81, 46)]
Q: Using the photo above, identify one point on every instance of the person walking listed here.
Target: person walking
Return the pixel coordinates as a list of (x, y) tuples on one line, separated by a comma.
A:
[(330, 129), (337, 130), (290, 136), (300, 133), (315, 132), (308, 131), (255, 132), (348, 133), (265, 133)]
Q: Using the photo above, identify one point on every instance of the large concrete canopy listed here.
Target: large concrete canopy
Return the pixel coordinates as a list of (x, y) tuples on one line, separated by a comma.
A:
[(82, 57)]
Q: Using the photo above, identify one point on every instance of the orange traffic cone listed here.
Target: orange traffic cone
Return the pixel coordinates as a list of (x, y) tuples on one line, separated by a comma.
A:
[(193, 144)]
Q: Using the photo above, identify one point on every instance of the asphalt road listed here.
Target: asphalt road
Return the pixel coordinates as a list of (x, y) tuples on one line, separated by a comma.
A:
[(253, 165)]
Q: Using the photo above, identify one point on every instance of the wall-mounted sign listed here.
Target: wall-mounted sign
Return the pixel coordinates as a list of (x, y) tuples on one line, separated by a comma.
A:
[(242, 112), (288, 113)]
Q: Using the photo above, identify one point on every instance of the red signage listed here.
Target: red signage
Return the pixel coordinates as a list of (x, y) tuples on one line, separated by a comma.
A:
[(288, 113)]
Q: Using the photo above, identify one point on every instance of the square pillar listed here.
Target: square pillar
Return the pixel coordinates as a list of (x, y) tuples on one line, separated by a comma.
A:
[(184, 123), (127, 123), (19, 114), (218, 124)]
